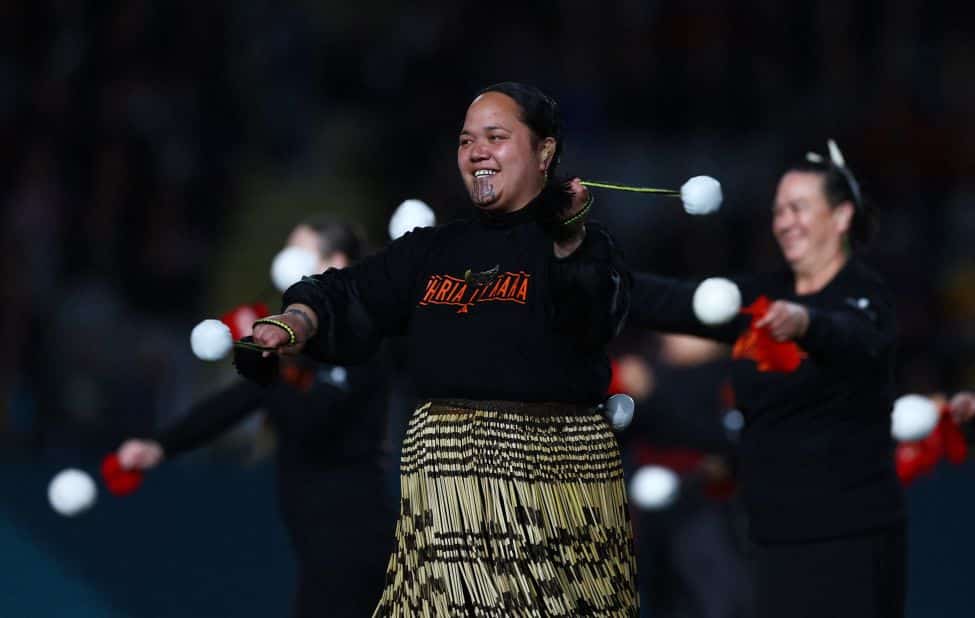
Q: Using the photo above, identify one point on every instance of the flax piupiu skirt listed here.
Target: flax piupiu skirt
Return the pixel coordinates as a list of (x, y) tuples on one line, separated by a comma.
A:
[(510, 511)]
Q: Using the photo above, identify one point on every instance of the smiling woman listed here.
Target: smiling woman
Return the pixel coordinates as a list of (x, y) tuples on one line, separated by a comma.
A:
[(513, 501), (825, 508), (502, 126), (817, 218)]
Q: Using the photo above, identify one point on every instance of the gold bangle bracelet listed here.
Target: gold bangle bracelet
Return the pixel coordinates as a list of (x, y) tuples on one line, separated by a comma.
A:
[(292, 338)]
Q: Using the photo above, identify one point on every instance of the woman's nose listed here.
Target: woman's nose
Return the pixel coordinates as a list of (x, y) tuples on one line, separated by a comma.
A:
[(782, 220), (479, 152)]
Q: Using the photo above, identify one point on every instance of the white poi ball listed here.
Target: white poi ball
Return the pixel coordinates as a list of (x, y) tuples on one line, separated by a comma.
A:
[(913, 418), (290, 265), (211, 340), (409, 215), (619, 411), (716, 301), (654, 487), (71, 492), (701, 195)]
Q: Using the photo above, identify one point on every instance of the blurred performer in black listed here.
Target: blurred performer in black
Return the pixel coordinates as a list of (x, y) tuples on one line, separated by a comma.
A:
[(825, 507), (330, 423), (513, 501), (690, 549)]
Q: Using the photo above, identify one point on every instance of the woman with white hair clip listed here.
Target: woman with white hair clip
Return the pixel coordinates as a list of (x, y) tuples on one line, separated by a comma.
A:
[(825, 508)]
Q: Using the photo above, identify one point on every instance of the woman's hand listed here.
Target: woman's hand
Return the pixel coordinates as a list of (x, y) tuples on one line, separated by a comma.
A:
[(785, 320), (140, 454), (962, 406), (575, 231), (302, 320)]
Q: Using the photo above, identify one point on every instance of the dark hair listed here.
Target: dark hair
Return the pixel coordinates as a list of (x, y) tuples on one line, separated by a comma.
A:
[(539, 111), (839, 185), (337, 236)]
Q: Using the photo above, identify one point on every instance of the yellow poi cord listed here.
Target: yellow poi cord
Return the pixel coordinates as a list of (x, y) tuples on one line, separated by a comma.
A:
[(632, 189)]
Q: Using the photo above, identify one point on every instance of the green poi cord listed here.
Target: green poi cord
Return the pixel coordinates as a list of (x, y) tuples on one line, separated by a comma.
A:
[(616, 187)]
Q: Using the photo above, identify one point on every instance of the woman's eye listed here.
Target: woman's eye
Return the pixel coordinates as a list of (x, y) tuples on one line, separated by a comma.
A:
[(495, 138)]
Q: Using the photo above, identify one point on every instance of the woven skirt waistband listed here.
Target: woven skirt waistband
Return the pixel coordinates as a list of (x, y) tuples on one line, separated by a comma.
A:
[(528, 408)]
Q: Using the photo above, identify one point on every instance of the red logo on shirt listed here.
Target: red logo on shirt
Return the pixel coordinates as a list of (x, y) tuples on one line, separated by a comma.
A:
[(448, 290)]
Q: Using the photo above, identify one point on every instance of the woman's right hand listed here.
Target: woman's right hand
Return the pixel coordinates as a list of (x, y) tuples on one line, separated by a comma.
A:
[(300, 318), (140, 454)]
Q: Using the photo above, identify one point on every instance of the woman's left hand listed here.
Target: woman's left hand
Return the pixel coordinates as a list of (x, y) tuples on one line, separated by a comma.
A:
[(785, 320), (576, 231)]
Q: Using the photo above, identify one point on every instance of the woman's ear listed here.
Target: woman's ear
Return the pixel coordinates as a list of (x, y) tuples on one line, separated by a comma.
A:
[(547, 152), (843, 216)]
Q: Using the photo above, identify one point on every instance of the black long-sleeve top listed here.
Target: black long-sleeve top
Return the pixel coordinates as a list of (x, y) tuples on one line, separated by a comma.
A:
[(487, 310), (330, 424), (816, 452)]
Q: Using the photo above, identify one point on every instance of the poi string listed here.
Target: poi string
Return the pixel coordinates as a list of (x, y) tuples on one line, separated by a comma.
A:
[(630, 188), (247, 345)]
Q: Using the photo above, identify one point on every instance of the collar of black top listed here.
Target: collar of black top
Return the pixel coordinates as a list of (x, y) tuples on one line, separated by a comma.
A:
[(548, 208), (507, 219)]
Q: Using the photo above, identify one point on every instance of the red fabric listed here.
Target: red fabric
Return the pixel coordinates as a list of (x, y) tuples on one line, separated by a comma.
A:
[(616, 385), (119, 481), (907, 459), (932, 449), (946, 441), (680, 460), (686, 463), (955, 446), (300, 378), (240, 319), (721, 490), (758, 345)]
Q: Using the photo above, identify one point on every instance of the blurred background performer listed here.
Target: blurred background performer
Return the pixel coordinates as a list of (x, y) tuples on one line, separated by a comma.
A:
[(513, 500), (690, 547), (826, 511), (329, 422)]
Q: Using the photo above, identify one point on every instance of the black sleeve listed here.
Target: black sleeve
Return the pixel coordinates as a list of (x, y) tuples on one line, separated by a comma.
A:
[(666, 305), (332, 404), (591, 289), (862, 331), (210, 417), (363, 382), (358, 306)]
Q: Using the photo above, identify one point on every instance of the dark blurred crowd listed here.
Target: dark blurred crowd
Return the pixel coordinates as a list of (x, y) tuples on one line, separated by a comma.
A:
[(143, 143), (150, 151)]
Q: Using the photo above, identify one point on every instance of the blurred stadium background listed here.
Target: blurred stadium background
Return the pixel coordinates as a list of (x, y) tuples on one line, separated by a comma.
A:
[(153, 155)]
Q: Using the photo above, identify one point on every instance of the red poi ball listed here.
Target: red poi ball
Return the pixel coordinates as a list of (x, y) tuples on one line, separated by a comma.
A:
[(240, 319), (616, 385), (119, 481)]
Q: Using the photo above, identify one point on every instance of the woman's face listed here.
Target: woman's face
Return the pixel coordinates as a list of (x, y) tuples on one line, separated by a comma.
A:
[(501, 167), (809, 231), (308, 239)]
